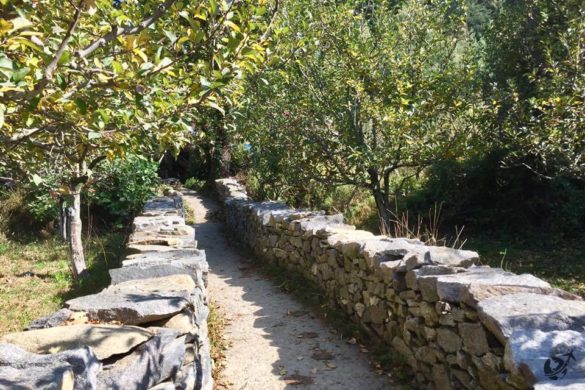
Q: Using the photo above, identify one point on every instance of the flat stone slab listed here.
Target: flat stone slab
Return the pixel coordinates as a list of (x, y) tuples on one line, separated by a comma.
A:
[(140, 301), (183, 322), (177, 236), (193, 260), (505, 314), (344, 237), (546, 356), (382, 249), (263, 210), (476, 284), (136, 249), (75, 369), (54, 319), (151, 363), (230, 188), (120, 275), (104, 340), (164, 206), (562, 384), (442, 255), (145, 224), (190, 257)]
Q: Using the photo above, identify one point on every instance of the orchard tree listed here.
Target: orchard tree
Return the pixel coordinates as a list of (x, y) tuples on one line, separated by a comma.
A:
[(82, 81), (536, 58), (358, 91)]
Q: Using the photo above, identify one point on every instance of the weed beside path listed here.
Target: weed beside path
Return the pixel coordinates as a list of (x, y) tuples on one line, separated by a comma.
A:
[(35, 277)]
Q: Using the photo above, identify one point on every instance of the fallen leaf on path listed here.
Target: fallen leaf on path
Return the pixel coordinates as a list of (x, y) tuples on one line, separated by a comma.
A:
[(352, 341), (330, 365), (297, 313), (307, 335), (296, 380), (300, 358), (281, 371), (322, 355)]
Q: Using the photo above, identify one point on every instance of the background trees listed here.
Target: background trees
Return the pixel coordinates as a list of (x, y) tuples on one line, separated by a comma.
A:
[(477, 104), (363, 91)]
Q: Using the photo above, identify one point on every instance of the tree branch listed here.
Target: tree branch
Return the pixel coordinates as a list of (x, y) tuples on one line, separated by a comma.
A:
[(50, 69), (119, 31)]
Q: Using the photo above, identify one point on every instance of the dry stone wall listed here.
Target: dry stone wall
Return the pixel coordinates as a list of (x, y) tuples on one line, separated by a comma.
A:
[(147, 330), (458, 324)]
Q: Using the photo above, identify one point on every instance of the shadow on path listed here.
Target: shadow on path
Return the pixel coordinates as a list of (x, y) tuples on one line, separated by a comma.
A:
[(276, 343)]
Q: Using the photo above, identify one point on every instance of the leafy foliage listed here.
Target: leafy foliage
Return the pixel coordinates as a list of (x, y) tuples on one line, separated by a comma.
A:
[(356, 94), (535, 51), (122, 186), (88, 80)]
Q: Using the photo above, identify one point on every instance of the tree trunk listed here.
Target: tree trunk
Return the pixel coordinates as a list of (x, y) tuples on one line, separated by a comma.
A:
[(382, 200), (75, 233), (63, 224), (383, 206)]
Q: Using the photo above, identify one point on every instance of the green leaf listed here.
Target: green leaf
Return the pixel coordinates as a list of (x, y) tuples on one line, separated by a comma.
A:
[(94, 135), (82, 105), (216, 106), (36, 179)]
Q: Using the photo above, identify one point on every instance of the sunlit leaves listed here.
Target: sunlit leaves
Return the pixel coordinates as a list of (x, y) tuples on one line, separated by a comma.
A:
[(139, 89)]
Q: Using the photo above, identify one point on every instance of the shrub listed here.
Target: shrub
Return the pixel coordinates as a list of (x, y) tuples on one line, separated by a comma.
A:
[(195, 184), (122, 186)]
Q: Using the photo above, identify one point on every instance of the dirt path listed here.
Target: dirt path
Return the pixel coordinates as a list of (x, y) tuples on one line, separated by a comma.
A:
[(275, 341)]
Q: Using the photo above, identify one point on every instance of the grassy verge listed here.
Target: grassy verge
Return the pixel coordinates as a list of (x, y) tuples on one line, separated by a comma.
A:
[(216, 323), (560, 262), (189, 215), (35, 277)]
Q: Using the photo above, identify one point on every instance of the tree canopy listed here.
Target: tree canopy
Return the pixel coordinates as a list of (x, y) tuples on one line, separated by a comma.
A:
[(82, 81)]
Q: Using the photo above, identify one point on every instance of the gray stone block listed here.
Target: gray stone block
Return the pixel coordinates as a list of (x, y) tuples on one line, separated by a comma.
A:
[(546, 356), (54, 319), (503, 315), (151, 363), (20, 369), (140, 301)]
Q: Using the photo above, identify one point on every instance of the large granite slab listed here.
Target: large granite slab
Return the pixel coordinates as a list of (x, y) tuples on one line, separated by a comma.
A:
[(140, 301)]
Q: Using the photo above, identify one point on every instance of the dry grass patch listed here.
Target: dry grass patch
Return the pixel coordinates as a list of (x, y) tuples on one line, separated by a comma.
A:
[(216, 323), (35, 277)]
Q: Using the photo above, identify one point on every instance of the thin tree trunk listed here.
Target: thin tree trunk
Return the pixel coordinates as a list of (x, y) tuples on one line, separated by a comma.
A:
[(62, 219), (384, 214), (75, 233), (382, 201)]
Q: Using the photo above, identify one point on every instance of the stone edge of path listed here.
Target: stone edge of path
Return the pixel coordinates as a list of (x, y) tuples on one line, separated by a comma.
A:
[(147, 329), (458, 324)]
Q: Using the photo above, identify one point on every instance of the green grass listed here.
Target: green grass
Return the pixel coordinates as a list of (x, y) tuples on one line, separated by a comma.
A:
[(561, 262), (35, 276)]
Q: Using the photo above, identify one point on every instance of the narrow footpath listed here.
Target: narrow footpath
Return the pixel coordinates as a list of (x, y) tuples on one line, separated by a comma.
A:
[(275, 342)]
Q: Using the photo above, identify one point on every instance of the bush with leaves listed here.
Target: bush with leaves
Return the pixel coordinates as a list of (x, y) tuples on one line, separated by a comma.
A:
[(123, 185)]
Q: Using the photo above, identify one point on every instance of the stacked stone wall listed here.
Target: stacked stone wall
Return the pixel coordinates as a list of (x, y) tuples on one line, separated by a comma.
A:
[(458, 324), (147, 330)]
